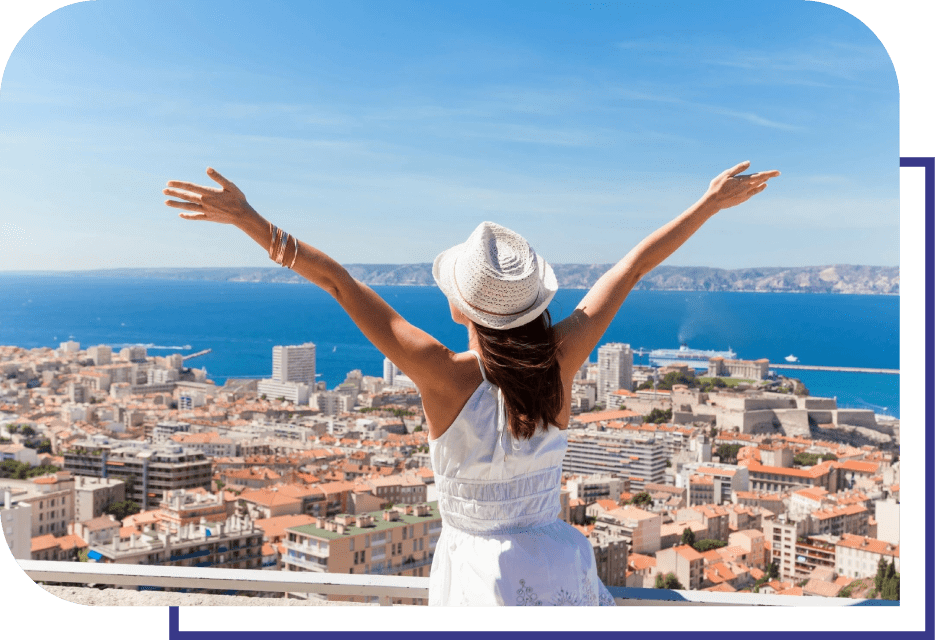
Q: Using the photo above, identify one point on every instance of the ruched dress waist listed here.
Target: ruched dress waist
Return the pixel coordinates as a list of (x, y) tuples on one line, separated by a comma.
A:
[(500, 506)]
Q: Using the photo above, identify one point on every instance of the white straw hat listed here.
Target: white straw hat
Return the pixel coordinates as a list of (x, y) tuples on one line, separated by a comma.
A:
[(495, 278)]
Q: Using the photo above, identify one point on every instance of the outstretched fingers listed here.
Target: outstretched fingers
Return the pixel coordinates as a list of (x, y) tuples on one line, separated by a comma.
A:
[(221, 180), (192, 187), (183, 195), (188, 206), (738, 168)]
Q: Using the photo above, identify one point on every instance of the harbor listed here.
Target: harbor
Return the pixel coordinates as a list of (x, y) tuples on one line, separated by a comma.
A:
[(810, 367)]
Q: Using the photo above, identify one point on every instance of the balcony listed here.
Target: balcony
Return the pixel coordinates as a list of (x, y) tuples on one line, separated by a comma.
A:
[(384, 589)]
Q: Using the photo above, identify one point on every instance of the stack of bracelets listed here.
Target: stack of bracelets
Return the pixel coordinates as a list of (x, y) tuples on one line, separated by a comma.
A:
[(278, 243)]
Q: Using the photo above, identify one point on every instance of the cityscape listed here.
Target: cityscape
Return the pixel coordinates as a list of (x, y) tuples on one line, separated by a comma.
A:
[(695, 472)]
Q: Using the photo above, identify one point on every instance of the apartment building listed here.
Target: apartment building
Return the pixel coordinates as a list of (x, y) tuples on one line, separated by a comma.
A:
[(684, 562), (859, 556), (887, 516), (294, 363), (711, 482), (715, 518), (93, 495), (633, 456), (165, 429), (838, 520), (16, 521), (400, 541), (638, 527), (795, 554), (772, 502), (211, 443), (614, 369), (232, 543), (53, 504), (182, 507), (753, 542), (596, 487), (397, 489), (56, 548), (610, 556), (96, 530), (780, 479), (148, 470)]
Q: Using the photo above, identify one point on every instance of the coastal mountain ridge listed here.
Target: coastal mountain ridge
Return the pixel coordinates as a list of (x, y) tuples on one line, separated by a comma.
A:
[(853, 279)]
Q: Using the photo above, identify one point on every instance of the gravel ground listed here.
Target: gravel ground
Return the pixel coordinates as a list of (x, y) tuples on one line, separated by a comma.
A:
[(128, 597)]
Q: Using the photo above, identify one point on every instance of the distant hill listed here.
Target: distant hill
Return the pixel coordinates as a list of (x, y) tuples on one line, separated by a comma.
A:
[(825, 279)]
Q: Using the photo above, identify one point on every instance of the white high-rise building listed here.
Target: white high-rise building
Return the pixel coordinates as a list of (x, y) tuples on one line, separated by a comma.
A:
[(294, 363), (614, 369), (389, 371)]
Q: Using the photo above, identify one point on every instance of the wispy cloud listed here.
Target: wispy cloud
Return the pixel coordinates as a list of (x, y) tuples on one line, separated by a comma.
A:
[(747, 116)]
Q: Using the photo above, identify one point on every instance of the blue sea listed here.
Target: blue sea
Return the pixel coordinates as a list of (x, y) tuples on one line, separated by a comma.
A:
[(241, 322)]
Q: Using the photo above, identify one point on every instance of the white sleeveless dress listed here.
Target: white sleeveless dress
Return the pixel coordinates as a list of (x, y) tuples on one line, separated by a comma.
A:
[(501, 541)]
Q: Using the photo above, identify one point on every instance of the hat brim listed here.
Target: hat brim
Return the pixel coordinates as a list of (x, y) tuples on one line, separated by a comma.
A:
[(443, 272)]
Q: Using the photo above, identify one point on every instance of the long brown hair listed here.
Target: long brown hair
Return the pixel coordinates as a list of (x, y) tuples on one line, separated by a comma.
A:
[(523, 363)]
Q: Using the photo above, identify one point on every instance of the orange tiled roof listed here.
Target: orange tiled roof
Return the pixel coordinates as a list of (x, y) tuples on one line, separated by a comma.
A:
[(868, 544), (43, 542), (639, 562), (859, 466), (688, 552), (814, 472)]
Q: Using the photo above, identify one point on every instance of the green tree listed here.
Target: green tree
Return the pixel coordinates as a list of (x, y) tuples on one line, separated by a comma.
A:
[(13, 469), (772, 571), (688, 537), (668, 581), (417, 429), (41, 470), (121, 509), (642, 499), (806, 459), (658, 416), (728, 452), (707, 544), (881, 575)]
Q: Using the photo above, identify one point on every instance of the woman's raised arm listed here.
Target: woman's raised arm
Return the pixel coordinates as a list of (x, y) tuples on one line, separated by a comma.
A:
[(415, 352), (581, 331)]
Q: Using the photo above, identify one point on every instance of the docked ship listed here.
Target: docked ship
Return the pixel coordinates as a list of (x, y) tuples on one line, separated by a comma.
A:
[(697, 358)]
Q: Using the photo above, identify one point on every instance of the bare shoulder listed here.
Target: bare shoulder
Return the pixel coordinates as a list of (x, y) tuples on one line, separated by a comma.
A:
[(445, 397)]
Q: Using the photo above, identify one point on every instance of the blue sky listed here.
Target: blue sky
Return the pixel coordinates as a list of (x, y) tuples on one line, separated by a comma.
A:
[(385, 132)]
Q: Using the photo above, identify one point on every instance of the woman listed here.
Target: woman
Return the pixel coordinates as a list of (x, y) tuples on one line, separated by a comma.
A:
[(496, 413)]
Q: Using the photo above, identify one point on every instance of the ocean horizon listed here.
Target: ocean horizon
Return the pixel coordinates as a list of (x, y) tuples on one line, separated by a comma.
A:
[(241, 321)]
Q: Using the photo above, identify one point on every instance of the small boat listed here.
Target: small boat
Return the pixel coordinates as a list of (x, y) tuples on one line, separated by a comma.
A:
[(791, 358)]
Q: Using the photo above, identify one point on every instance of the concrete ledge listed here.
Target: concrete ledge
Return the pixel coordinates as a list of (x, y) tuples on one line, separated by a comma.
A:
[(133, 598)]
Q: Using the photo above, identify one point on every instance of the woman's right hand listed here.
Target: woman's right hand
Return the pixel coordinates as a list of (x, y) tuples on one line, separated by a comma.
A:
[(226, 205), (730, 188)]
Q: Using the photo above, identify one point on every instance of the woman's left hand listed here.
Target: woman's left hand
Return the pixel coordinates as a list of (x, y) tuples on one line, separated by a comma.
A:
[(226, 205), (731, 188)]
